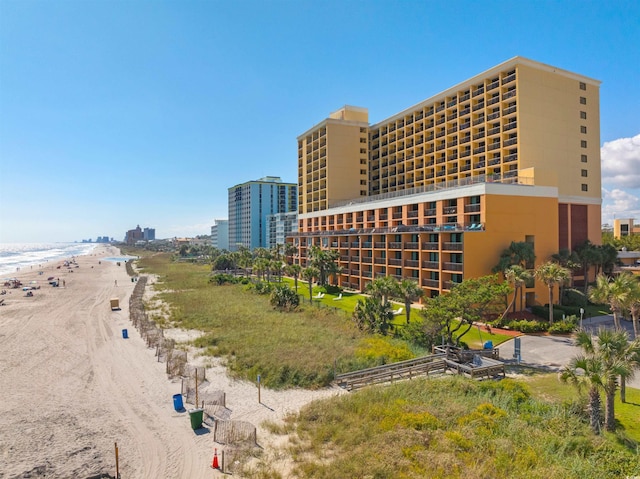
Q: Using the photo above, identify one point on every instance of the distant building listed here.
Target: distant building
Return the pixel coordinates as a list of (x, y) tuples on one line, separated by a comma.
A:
[(279, 226), (220, 234), (625, 227), (249, 205), (149, 234), (132, 236)]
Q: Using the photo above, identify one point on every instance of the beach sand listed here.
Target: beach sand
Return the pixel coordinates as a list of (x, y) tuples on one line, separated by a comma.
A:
[(72, 386)]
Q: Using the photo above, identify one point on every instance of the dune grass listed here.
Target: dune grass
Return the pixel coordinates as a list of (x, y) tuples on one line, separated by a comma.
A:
[(449, 428)]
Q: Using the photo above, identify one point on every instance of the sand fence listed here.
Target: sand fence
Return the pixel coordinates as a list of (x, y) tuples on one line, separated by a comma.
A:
[(239, 435)]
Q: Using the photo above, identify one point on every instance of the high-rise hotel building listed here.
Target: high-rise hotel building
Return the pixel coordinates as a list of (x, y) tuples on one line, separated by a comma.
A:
[(437, 191)]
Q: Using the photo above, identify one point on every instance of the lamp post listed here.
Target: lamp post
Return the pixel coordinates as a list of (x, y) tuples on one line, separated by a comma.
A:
[(581, 315)]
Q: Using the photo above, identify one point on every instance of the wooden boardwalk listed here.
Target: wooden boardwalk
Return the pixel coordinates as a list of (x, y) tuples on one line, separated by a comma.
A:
[(472, 363)]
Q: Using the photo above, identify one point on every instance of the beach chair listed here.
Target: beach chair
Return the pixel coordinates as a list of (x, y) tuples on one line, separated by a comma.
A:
[(338, 298), (398, 312)]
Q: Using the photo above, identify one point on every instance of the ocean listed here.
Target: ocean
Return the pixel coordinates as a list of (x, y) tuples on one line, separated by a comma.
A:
[(28, 256)]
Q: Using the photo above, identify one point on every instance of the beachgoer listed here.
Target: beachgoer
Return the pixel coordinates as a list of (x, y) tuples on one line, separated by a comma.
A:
[(116, 282), (64, 283)]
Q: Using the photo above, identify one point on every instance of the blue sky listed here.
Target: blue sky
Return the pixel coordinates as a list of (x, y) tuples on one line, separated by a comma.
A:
[(118, 113)]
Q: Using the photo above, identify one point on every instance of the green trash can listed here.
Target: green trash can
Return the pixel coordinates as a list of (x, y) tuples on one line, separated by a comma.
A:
[(195, 415)]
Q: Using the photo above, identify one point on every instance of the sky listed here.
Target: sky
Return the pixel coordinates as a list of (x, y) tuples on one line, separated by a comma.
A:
[(122, 113)]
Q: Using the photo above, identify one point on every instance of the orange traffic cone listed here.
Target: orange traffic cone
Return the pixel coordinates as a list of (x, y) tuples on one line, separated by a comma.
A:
[(215, 464)]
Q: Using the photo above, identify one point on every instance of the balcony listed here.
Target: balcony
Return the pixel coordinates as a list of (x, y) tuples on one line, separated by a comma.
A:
[(430, 246), (411, 263), (508, 111), (512, 157), (431, 283), (430, 265), (395, 245), (380, 260), (379, 245), (450, 210), (367, 259), (412, 214), (494, 146), (494, 131), (472, 208), (494, 161), (452, 266), (411, 245), (509, 78), (479, 135), (493, 85), (493, 100), (479, 106), (478, 121), (478, 150), (477, 92), (493, 116), (366, 274), (430, 212), (366, 244), (511, 126), (510, 141), (355, 259), (452, 246), (509, 94), (395, 262)]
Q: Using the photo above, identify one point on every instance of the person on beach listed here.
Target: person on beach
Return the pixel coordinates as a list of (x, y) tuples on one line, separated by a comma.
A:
[(116, 282)]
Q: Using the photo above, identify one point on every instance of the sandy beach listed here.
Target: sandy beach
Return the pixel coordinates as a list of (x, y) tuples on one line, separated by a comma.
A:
[(72, 386)]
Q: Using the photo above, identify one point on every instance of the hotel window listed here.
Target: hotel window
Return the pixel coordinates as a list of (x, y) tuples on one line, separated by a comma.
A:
[(363, 172), (363, 140), (583, 100), (363, 161), (363, 182), (583, 129), (363, 193), (583, 143), (583, 158), (584, 173), (585, 187), (583, 115), (583, 86)]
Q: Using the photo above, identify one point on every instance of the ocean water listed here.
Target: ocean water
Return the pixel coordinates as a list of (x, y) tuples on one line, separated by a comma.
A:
[(27, 256)]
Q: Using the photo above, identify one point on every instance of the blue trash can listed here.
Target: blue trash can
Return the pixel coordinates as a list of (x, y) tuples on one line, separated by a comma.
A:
[(125, 334), (177, 402), (488, 345)]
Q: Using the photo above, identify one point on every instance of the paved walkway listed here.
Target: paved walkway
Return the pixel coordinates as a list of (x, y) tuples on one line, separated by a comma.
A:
[(554, 352)]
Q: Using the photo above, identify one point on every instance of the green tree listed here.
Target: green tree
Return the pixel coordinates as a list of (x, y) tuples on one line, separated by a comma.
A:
[(551, 273), (373, 316), (520, 253), (284, 298), (382, 288), (294, 271), (615, 293), (605, 358), (409, 291), (469, 301), (633, 304), (517, 276), (324, 260), (290, 251), (588, 255), (309, 274)]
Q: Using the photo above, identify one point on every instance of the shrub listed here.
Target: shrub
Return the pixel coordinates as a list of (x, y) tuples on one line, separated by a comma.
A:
[(223, 278), (284, 298), (526, 326), (261, 287), (562, 327), (332, 289), (574, 297)]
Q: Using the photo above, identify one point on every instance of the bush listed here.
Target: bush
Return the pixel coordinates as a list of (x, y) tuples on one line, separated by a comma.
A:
[(332, 289), (574, 297), (526, 326), (562, 327), (284, 298), (543, 312), (223, 278), (261, 287)]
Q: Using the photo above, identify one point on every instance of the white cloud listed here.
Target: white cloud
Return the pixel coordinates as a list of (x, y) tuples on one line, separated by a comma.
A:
[(621, 162), (618, 203)]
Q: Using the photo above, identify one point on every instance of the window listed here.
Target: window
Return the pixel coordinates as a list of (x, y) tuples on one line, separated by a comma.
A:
[(583, 129), (363, 182), (363, 150), (583, 158), (583, 115), (363, 193), (583, 86), (583, 143), (363, 161), (363, 172), (583, 100), (584, 173), (363, 140), (363, 130), (585, 187)]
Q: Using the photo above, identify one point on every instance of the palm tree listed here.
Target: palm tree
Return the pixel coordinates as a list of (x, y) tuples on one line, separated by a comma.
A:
[(294, 270), (615, 293), (520, 253), (324, 261), (633, 303), (609, 356), (382, 288), (310, 273), (409, 291), (588, 255), (518, 277), (290, 250), (551, 273)]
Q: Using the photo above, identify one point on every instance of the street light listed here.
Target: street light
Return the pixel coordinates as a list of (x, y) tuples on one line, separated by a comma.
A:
[(581, 314)]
